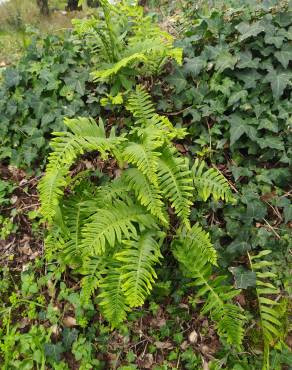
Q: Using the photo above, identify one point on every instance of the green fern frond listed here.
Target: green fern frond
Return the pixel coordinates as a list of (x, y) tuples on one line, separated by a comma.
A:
[(109, 225), (175, 181), (198, 240), (141, 106), (138, 274), (113, 69), (146, 193), (228, 317), (271, 326), (67, 146), (112, 298), (92, 268), (210, 182), (146, 159), (51, 190)]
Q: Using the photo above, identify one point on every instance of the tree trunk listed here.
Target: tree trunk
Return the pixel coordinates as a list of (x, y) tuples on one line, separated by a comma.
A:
[(44, 7), (72, 5)]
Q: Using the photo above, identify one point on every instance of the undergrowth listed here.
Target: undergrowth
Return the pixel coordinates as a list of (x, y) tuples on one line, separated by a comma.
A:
[(160, 238)]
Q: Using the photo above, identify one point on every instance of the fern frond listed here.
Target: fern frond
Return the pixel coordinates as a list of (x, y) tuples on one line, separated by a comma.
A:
[(175, 181), (112, 298), (51, 190), (141, 106), (92, 268), (67, 146), (271, 326), (146, 159), (138, 274), (210, 182), (109, 225), (114, 68), (196, 239), (228, 317), (146, 193)]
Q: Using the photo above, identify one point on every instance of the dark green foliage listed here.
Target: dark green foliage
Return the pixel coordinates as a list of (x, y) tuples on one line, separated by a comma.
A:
[(236, 80), (50, 82), (234, 94), (151, 190)]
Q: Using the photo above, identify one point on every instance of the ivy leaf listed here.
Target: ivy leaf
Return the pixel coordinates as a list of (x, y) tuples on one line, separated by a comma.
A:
[(284, 55), (287, 213), (54, 351), (284, 19), (225, 60), (279, 81), (273, 142), (249, 78), (237, 128), (256, 210), (178, 80), (12, 77), (68, 337), (246, 60), (243, 278), (194, 66), (237, 172), (240, 95), (274, 40), (268, 125), (248, 30)]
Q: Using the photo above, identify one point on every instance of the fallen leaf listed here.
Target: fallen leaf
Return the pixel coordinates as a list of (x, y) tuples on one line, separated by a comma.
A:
[(193, 337), (69, 321), (163, 345)]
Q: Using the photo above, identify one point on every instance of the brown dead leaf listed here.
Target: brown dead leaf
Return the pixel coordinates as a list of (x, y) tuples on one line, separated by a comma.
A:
[(163, 345), (157, 322), (69, 321), (146, 362), (193, 337), (184, 345)]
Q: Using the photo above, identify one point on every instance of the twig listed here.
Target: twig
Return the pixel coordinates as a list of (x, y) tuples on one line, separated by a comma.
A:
[(229, 182), (272, 229), (174, 113)]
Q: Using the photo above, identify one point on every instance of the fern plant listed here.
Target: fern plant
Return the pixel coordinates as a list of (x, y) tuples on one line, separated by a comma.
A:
[(121, 49), (112, 231), (270, 324), (193, 249)]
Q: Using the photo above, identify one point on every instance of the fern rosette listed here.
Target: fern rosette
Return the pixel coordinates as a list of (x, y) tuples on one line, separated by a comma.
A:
[(113, 231)]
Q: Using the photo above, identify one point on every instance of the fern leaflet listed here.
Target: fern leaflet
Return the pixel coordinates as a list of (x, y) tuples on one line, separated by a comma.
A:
[(210, 182), (138, 274)]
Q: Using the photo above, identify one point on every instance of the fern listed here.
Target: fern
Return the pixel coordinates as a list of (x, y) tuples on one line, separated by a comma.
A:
[(199, 240), (141, 106), (112, 298), (138, 274), (271, 326), (195, 256), (92, 268), (176, 182), (210, 182), (147, 194), (109, 225), (120, 50), (67, 146), (111, 231)]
